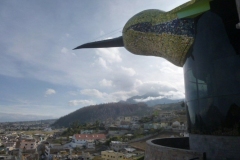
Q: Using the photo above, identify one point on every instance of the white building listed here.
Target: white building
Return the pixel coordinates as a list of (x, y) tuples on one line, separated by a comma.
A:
[(117, 145), (120, 118), (111, 155), (2, 130), (125, 124), (135, 118), (47, 129), (128, 119), (176, 126), (28, 144), (80, 140), (52, 146)]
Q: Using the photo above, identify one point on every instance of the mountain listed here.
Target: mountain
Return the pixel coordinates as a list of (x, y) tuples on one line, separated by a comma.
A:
[(11, 117), (102, 112), (170, 106), (152, 99)]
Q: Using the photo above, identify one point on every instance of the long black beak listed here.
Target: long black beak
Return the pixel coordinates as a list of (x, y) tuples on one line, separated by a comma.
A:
[(115, 42)]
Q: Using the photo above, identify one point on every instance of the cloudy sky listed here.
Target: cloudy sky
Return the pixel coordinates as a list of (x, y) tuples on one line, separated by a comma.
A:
[(41, 75)]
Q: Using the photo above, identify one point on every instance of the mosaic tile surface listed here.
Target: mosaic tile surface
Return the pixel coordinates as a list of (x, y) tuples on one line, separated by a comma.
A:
[(158, 33)]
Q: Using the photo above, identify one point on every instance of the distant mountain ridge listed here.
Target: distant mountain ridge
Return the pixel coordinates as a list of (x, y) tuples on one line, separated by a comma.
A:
[(14, 117), (102, 112), (136, 105)]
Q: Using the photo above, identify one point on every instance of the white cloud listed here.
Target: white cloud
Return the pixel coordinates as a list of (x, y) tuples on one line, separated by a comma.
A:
[(64, 50), (102, 32), (149, 98), (169, 95), (123, 95), (173, 94), (93, 92), (106, 83), (102, 62), (50, 92), (129, 71), (73, 93), (109, 54), (167, 67), (80, 102), (111, 97), (155, 87), (137, 83)]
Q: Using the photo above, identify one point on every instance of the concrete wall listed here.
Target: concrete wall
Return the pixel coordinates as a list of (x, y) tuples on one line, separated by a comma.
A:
[(143, 138), (216, 147), (155, 151)]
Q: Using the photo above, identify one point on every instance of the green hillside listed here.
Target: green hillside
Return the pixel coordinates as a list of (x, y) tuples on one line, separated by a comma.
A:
[(102, 112)]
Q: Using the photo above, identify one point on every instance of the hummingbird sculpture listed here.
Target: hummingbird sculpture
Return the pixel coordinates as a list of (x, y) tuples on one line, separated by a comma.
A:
[(156, 33)]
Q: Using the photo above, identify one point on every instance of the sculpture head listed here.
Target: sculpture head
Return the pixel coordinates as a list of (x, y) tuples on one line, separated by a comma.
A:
[(156, 33)]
